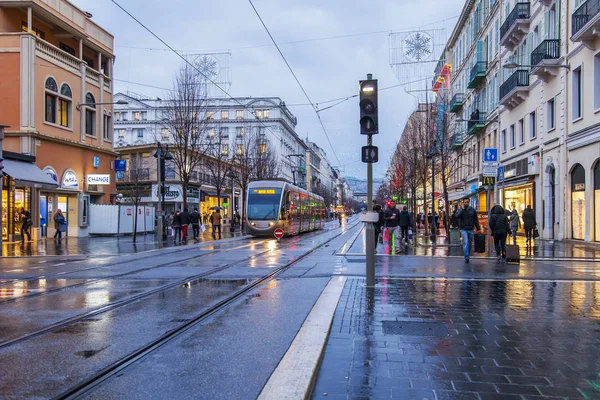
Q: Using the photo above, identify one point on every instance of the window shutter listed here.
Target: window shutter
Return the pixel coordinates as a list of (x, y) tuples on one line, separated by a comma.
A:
[(546, 25), (557, 21), (480, 51)]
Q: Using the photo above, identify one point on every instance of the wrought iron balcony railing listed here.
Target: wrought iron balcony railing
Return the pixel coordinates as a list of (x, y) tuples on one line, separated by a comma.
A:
[(522, 10), (549, 49), (519, 78), (583, 14)]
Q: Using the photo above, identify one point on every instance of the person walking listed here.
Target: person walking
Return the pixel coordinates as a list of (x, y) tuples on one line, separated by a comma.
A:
[(215, 220), (391, 217), (195, 221), (238, 219), (185, 221), (466, 216), (26, 224), (499, 225), (515, 224), (169, 222), (405, 222), (59, 224), (379, 224), (529, 223), (176, 227)]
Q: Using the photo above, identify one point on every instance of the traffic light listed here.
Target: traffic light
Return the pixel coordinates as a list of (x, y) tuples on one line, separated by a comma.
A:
[(369, 122)]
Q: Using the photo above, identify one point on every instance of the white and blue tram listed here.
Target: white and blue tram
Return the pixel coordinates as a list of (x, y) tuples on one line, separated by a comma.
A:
[(277, 204)]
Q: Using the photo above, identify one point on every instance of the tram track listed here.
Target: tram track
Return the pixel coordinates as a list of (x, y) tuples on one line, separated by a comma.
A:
[(89, 383)]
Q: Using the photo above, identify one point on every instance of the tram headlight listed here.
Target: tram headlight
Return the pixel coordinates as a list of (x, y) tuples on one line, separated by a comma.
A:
[(271, 223), (253, 224)]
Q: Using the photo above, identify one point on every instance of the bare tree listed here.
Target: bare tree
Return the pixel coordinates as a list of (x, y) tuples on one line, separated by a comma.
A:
[(219, 157), (136, 187), (267, 164), (186, 123)]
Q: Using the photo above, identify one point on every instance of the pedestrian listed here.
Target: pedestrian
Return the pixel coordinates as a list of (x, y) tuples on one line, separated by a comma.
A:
[(215, 220), (529, 223), (405, 222), (340, 217), (392, 220), (237, 218), (466, 216), (176, 227), (379, 224), (169, 222), (60, 224), (185, 221), (499, 225), (195, 221), (26, 224), (515, 224)]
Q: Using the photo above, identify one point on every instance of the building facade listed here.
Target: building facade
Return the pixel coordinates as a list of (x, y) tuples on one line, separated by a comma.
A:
[(56, 85)]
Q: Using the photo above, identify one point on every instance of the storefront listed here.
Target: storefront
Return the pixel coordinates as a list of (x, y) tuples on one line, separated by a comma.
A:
[(211, 200), (173, 197), (597, 201), (518, 195), (578, 202), (21, 181)]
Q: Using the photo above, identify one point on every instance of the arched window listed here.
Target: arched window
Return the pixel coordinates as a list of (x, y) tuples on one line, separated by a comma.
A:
[(90, 115), (51, 85), (597, 199), (65, 100), (51, 91), (58, 105), (578, 201), (65, 90)]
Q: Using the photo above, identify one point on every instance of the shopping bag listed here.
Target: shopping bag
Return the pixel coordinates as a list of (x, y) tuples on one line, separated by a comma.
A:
[(410, 236), (202, 228), (536, 233)]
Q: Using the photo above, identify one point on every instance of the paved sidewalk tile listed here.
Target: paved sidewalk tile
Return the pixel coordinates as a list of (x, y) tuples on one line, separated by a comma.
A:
[(464, 339)]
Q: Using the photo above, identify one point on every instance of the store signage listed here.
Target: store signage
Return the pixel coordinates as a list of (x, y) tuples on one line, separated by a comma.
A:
[(533, 165), (69, 180), (96, 162), (579, 186), (510, 173), (51, 173), (98, 179), (120, 165), (474, 188)]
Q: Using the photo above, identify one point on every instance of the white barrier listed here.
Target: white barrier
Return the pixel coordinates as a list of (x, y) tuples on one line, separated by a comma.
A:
[(118, 219)]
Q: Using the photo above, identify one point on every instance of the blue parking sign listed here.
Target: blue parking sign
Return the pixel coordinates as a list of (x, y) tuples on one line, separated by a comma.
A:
[(490, 155)]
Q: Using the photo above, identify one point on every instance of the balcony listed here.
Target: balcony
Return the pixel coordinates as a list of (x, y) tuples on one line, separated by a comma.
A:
[(545, 57), (457, 102), (515, 89), (477, 74), (585, 23), (474, 124), (456, 141), (514, 29)]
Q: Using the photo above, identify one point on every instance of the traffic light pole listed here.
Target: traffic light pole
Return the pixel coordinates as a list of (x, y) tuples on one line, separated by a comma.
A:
[(370, 228)]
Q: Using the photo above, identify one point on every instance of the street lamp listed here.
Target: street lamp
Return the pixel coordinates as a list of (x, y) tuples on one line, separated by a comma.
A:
[(1, 168), (511, 64), (231, 175), (162, 156), (120, 102)]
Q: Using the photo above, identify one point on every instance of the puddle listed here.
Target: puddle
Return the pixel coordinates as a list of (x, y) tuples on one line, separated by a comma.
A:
[(88, 353)]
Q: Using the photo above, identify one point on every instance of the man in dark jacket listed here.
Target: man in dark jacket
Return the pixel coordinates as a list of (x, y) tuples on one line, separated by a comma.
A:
[(391, 217), (405, 223), (185, 221), (529, 223), (195, 221), (466, 216), (500, 226)]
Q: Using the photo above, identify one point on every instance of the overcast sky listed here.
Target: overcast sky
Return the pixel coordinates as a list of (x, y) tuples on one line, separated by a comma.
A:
[(327, 69)]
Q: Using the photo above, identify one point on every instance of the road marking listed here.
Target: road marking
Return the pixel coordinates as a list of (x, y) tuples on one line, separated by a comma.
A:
[(295, 374), (56, 265)]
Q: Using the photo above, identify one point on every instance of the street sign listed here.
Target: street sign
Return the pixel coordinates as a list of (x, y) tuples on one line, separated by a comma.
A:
[(490, 154), (370, 154), (489, 170), (278, 233), (501, 174), (120, 165)]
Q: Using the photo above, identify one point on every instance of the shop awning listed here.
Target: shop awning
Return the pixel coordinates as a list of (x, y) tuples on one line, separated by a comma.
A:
[(28, 174), (214, 194)]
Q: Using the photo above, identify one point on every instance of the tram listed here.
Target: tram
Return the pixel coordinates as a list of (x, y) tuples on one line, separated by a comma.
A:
[(278, 204)]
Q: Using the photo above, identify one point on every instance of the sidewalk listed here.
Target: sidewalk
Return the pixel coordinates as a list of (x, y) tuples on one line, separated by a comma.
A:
[(97, 245)]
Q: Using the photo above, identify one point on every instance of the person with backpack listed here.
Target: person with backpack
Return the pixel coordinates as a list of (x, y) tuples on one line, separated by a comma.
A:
[(26, 224), (405, 222), (392, 220), (499, 225), (195, 221), (466, 217)]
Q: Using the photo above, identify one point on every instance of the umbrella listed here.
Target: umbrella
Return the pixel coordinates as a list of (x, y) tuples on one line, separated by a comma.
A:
[(216, 208)]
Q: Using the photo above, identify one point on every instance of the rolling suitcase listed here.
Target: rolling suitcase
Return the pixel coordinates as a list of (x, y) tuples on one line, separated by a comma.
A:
[(479, 243), (512, 253)]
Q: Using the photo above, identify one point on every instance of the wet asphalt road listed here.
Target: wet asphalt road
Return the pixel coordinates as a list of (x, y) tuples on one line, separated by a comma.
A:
[(63, 320)]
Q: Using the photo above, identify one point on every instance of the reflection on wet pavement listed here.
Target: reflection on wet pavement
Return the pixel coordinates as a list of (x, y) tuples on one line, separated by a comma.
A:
[(506, 339)]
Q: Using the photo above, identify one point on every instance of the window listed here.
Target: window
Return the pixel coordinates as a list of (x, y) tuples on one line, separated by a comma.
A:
[(137, 116), (211, 133), (512, 136), (551, 114), (121, 133), (521, 132), (262, 148), (107, 127), (259, 114), (57, 107), (51, 96), (239, 114), (224, 114), (239, 132), (66, 48), (266, 114), (90, 115), (577, 85), (239, 149), (225, 149), (210, 115), (503, 141), (144, 115), (597, 83), (89, 61), (34, 30), (225, 133), (140, 133), (164, 133), (532, 126), (117, 116)]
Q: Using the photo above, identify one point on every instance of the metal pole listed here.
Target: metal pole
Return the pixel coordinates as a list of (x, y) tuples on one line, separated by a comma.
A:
[(370, 228), (231, 227), (433, 228), (489, 211), (162, 196), (1, 182), (159, 207)]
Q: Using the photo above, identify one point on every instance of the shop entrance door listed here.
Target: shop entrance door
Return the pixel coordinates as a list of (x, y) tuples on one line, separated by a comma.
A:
[(44, 215), (63, 203), (5, 219)]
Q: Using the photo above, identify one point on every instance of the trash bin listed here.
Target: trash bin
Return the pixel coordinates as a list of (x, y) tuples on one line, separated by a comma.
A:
[(454, 235)]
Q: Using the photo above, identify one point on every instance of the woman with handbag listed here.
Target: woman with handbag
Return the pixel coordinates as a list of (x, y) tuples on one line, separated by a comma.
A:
[(529, 223), (60, 224)]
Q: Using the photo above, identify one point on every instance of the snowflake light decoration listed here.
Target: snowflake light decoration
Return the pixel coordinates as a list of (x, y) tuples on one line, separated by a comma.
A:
[(209, 66), (418, 46)]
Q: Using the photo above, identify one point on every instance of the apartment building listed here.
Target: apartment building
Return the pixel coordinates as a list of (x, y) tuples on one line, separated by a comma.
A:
[(473, 55), (56, 94)]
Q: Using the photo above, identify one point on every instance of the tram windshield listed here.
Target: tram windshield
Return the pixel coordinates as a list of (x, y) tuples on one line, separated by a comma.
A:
[(263, 203)]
